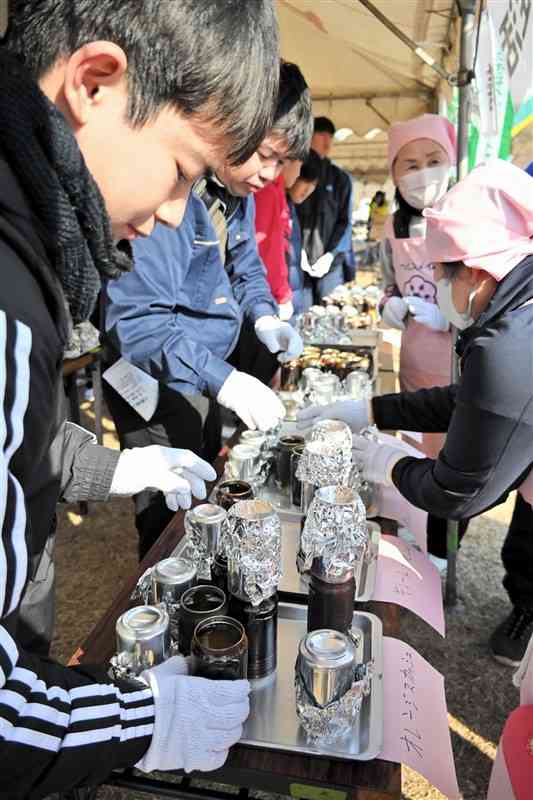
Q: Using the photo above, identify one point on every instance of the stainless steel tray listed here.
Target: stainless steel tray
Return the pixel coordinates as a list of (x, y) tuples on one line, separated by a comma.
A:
[(292, 583), (273, 722)]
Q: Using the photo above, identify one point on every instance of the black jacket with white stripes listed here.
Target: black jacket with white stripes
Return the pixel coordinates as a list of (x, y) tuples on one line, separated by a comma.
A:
[(59, 727)]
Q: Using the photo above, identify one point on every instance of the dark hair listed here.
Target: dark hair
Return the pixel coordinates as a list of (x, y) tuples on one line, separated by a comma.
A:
[(310, 171), (215, 59), (324, 125), (293, 118), (402, 216), (451, 268)]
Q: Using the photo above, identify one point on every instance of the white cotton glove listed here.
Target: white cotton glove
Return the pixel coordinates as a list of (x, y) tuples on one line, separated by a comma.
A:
[(196, 720), (256, 404), (355, 413), (176, 473), (304, 263), (427, 314), (279, 337), (394, 312), (375, 459), (286, 310), (322, 265)]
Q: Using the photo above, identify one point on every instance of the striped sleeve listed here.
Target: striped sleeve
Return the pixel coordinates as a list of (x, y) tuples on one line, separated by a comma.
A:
[(58, 726)]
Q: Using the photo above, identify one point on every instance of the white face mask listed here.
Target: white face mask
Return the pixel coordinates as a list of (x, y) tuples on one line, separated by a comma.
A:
[(461, 319), (425, 186)]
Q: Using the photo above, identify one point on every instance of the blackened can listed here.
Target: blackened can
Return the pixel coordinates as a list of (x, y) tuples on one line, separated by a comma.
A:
[(261, 626), (219, 571), (330, 604)]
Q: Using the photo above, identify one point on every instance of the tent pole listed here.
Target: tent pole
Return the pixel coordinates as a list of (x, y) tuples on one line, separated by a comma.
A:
[(464, 78), (422, 54)]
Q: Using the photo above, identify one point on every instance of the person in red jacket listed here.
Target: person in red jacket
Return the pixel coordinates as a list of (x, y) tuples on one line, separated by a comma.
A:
[(272, 216), (272, 225)]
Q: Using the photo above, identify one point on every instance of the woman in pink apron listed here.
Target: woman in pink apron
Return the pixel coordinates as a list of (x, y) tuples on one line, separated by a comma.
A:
[(421, 153)]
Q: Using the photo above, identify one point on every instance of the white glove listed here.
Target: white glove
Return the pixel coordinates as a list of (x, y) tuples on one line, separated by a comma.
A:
[(322, 265), (256, 404), (286, 310), (355, 413), (176, 473), (196, 720), (427, 314), (279, 337), (376, 460), (394, 312), (304, 263)]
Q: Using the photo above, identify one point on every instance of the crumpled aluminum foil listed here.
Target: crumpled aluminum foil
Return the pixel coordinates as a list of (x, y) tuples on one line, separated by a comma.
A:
[(252, 544), (324, 464), (142, 593), (338, 717), (335, 531)]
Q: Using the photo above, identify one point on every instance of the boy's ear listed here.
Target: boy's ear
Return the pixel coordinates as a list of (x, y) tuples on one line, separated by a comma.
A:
[(92, 71)]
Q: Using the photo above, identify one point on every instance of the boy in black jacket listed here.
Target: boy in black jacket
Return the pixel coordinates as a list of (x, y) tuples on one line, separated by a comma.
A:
[(108, 112)]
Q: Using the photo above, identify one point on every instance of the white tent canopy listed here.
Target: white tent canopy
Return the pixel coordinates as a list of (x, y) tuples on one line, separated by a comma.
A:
[(360, 74)]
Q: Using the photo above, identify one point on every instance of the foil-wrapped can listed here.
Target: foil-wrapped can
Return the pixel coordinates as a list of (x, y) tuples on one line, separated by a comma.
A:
[(144, 633), (170, 578), (329, 691), (203, 525), (252, 543)]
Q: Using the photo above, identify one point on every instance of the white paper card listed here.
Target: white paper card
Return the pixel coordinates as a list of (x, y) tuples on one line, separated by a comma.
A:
[(136, 387)]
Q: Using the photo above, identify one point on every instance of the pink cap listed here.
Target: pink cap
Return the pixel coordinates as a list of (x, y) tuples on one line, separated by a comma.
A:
[(486, 220), (428, 126)]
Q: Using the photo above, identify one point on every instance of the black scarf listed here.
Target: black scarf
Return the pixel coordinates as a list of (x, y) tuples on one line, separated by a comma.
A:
[(42, 151)]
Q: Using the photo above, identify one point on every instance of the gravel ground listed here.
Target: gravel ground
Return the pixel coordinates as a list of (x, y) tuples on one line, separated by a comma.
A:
[(479, 691)]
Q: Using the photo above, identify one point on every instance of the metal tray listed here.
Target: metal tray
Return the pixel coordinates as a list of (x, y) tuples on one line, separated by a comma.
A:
[(295, 589), (273, 722)]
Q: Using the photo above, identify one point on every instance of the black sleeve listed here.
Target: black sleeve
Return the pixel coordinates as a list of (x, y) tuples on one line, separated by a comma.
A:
[(87, 468), (488, 449), (427, 410), (59, 727), (343, 216)]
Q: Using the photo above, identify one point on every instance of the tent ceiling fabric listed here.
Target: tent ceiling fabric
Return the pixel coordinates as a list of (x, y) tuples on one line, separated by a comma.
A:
[(360, 74)]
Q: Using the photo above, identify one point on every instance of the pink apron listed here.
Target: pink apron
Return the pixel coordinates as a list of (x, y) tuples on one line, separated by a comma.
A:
[(425, 355)]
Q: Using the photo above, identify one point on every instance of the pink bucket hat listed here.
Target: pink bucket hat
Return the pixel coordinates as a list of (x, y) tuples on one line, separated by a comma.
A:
[(428, 126), (486, 220)]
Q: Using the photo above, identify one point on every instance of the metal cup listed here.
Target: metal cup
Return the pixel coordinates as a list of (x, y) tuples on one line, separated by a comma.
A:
[(204, 524), (244, 462), (144, 633), (170, 578), (220, 649), (230, 492), (256, 439), (284, 451), (326, 665), (199, 603)]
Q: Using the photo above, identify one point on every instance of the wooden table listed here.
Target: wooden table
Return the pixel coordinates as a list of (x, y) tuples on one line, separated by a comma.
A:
[(294, 774)]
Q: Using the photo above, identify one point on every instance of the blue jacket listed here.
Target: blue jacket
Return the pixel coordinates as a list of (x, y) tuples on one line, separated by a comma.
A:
[(178, 315)]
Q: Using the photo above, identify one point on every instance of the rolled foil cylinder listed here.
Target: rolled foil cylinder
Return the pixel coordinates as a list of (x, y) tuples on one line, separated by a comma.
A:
[(335, 532), (203, 524), (325, 464), (330, 684), (333, 431), (252, 543)]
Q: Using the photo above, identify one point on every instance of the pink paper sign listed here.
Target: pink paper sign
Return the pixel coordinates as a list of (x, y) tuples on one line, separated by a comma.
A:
[(392, 505), (405, 576), (415, 722)]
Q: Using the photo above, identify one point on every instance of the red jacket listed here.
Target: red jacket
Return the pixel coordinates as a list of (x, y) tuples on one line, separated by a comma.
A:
[(272, 227)]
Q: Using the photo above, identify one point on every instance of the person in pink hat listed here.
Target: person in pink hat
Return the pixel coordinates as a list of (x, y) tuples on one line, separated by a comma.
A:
[(479, 237), (421, 154)]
